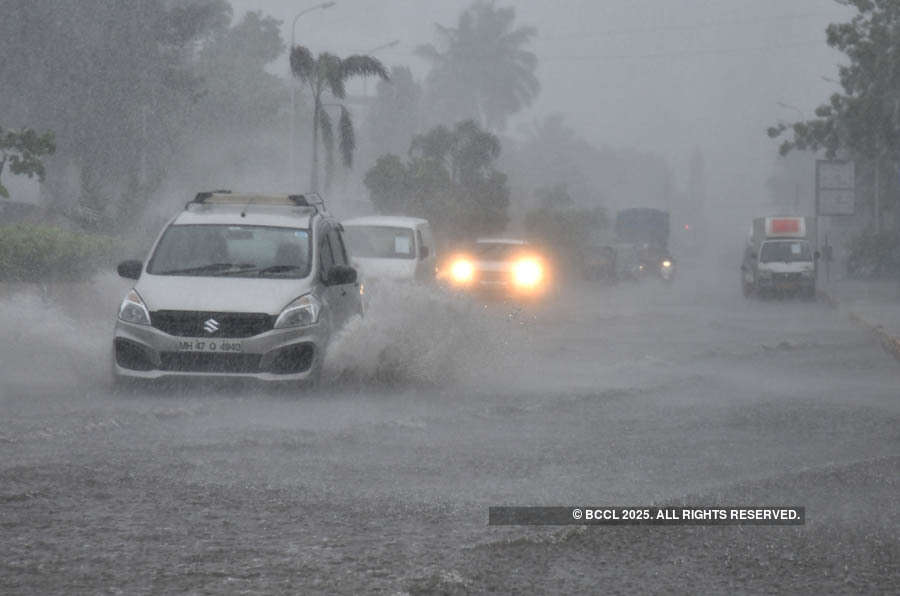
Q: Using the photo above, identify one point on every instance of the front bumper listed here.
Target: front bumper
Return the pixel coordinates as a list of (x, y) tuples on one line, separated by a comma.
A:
[(277, 355), (787, 284)]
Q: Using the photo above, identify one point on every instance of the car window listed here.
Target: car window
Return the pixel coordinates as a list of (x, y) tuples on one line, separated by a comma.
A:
[(337, 247), (326, 258), (382, 242), (234, 251), (784, 252)]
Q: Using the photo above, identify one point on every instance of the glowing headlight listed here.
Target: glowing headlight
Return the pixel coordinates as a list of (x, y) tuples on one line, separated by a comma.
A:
[(462, 271), (302, 312), (667, 263), (133, 309), (527, 272)]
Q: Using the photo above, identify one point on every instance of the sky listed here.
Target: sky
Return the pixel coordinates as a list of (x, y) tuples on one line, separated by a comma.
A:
[(658, 76)]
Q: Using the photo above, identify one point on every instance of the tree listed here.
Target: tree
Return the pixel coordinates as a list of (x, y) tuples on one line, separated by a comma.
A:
[(864, 118), (113, 80), (239, 94), (395, 113), (863, 122), (329, 73), (23, 150), (449, 178), (480, 69)]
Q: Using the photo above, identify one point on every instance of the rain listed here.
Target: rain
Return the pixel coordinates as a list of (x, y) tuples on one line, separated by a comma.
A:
[(293, 297)]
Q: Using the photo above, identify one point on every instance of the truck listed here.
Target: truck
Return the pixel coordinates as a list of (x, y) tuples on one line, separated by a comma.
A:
[(642, 238), (780, 257)]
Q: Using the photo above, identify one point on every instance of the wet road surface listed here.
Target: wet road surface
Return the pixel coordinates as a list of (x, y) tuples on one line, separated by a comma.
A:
[(381, 483)]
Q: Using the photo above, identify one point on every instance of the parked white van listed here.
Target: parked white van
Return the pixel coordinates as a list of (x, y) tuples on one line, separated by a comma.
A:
[(391, 247)]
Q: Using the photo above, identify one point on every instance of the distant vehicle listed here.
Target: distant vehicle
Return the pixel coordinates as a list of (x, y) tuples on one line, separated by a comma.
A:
[(600, 262), (237, 286), (780, 257), (503, 267), (391, 247), (647, 232)]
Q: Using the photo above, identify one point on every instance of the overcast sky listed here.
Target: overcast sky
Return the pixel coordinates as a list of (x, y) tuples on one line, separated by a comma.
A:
[(660, 76)]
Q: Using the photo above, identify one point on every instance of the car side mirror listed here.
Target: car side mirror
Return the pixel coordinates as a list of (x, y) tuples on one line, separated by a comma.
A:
[(340, 275), (817, 255), (424, 252), (130, 269)]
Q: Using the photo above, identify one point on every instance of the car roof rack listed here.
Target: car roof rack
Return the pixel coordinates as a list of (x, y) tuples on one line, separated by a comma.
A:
[(225, 197)]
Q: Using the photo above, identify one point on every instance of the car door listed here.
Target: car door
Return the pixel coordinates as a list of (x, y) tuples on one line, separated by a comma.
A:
[(425, 266)]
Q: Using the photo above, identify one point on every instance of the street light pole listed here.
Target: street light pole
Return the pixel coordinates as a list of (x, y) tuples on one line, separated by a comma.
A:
[(292, 166), (385, 46)]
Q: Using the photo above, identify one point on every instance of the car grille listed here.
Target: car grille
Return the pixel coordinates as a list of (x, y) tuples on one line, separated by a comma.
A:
[(493, 276), (786, 276), (211, 363), (187, 323)]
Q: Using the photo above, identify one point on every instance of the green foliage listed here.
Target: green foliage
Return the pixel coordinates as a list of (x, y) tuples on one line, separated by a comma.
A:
[(44, 253), (448, 179), (115, 81), (480, 69), (328, 74), (865, 119), (874, 255), (568, 232), (239, 94), (395, 113), (23, 150)]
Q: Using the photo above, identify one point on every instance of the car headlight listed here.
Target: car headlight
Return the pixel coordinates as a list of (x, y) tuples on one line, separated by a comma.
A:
[(133, 309), (667, 263), (527, 272), (302, 312), (462, 271)]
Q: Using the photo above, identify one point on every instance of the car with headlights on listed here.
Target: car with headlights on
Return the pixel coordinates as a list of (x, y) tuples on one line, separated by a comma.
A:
[(237, 286), (504, 267)]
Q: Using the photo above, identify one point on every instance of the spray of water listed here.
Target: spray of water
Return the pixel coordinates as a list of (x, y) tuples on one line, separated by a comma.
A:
[(418, 335), (49, 342)]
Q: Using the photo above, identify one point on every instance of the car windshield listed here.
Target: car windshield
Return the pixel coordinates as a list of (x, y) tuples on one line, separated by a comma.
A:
[(784, 252), (380, 242), (234, 251), (497, 250)]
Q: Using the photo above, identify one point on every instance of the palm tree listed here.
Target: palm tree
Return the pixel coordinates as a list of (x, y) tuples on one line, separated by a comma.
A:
[(329, 73), (480, 69)]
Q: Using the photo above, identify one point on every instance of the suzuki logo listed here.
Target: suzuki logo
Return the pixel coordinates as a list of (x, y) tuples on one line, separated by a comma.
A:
[(211, 326)]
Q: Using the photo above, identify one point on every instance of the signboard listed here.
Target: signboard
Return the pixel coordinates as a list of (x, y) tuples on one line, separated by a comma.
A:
[(835, 187)]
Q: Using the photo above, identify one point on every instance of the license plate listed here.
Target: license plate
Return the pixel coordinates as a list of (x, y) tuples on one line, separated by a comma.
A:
[(209, 345)]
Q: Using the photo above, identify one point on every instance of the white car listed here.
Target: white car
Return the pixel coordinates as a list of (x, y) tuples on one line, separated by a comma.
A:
[(237, 285), (391, 247)]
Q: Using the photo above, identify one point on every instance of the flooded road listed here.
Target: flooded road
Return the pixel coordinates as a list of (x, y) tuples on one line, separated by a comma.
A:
[(438, 408)]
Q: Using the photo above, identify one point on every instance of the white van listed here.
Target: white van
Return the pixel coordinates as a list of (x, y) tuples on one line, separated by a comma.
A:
[(391, 247)]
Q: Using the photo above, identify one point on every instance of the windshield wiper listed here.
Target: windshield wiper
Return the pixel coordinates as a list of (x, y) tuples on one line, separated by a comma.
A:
[(279, 269), (211, 268)]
